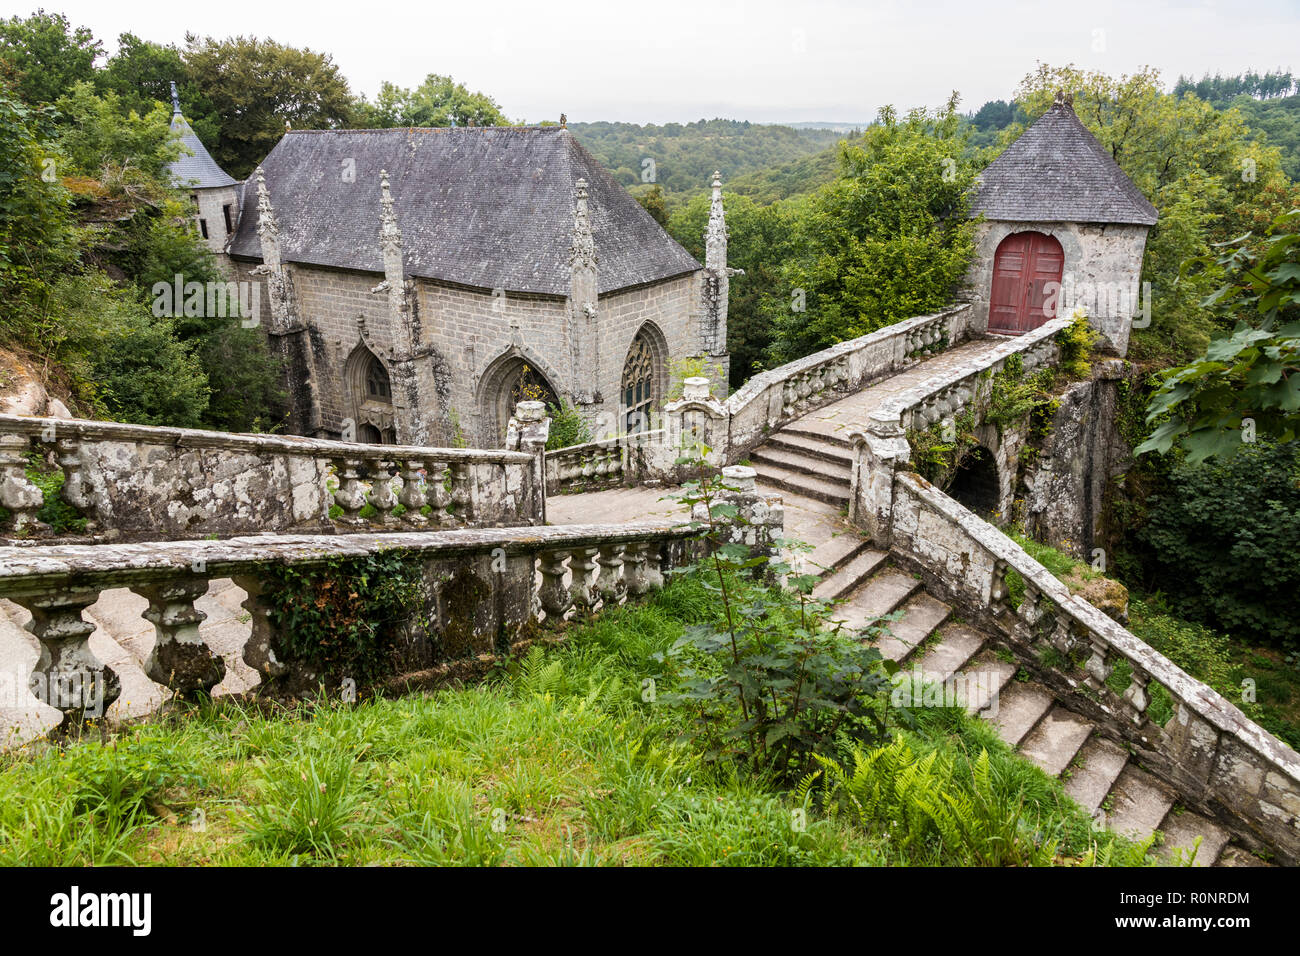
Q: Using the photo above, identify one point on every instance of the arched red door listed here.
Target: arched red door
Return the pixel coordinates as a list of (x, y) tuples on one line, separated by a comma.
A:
[(1024, 269)]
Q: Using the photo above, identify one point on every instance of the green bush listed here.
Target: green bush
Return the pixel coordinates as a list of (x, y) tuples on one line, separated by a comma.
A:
[(1223, 542)]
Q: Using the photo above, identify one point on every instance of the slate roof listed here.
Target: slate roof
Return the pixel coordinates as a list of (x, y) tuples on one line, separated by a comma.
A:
[(199, 171), (488, 207), (1058, 172)]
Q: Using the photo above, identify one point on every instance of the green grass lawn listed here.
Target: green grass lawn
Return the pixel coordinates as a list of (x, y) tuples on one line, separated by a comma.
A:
[(557, 761)]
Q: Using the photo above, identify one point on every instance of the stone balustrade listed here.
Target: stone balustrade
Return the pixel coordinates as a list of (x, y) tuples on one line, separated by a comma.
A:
[(589, 466), (485, 585), (1219, 760), (946, 396), (773, 398), (134, 482)]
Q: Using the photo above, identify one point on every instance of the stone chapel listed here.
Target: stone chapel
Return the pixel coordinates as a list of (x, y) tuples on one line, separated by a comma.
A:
[(419, 282)]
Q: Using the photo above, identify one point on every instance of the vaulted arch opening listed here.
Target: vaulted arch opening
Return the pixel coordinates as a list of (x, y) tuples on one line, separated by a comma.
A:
[(510, 380), (976, 483)]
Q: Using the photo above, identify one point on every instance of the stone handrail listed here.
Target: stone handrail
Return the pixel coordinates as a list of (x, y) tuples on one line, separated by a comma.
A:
[(772, 398), (1218, 758), (486, 586), (944, 396), (595, 464), (137, 481)]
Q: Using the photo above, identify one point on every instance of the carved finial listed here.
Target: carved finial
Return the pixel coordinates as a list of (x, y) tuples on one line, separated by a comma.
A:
[(583, 251), (715, 238), (287, 126), (1064, 99), (266, 225), (564, 121), (176, 99), (389, 233)]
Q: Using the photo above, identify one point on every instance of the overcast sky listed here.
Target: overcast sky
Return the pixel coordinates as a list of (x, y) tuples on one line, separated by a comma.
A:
[(655, 61)]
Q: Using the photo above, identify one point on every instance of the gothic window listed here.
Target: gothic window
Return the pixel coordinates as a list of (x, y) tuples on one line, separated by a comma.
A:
[(640, 374), (377, 386), (526, 385)]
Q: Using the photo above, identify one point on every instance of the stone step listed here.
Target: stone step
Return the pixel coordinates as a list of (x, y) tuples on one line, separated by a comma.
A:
[(957, 644), (810, 486), (835, 553), (801, 463), (1138, 803), (1236, 856), (1053, 743), (810, 433), (813, 447), (921, 615), (1096, 769), (1019, 707), (887, 589), (849, 575), (1181, 831), (989, 676)]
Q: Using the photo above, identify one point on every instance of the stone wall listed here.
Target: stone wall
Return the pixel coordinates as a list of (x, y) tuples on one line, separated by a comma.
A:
[(137, 482), (1102, 266), (210, 203), (463, 339)]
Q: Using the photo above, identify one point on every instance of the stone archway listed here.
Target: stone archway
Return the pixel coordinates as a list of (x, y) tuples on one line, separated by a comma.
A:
[(512, 378), (369, 398), (976, 483), (644, 379)]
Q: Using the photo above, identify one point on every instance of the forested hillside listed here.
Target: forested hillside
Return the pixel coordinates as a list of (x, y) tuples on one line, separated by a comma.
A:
[(680, 157)]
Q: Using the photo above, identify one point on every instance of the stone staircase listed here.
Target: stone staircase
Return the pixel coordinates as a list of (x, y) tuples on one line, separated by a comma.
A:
[(811, 473)]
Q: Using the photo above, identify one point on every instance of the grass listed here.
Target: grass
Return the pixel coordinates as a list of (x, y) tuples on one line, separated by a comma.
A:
[(558, 762)]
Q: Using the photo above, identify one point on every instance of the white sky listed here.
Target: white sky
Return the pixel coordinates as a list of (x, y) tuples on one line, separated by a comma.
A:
[(656, 61)]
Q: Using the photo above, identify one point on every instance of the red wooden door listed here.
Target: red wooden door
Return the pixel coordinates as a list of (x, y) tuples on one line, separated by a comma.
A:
[(1025, 268)]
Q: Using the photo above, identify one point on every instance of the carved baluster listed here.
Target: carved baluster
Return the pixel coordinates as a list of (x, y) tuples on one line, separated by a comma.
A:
[(74, 477), (1137, 696), (789, 397), (414, 495), (554, 596), (1030, 612), (634, 570), (351, 492), (1061, 637), (180, 660), (260, 649), (438, 495), (653, 571), (1097, 666), (17, 493), (462, 495), (581, 592), (382, 497), (998, 587), (610, 581), (68, 676)]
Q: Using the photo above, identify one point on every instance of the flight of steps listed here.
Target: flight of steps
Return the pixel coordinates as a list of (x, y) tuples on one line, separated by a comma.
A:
[(811, 473)]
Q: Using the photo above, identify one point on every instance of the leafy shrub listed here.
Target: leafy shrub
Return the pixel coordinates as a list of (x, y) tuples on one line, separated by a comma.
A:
[(346, 617), (770, 681), (1223, 541), (567, 427)]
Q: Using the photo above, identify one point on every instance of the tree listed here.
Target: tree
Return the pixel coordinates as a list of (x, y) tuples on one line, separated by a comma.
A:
[(1247, 384), (256, 87), (141, 74), (888, 240), (45, 55), (438, 101), (652, 201), (1200, 168)]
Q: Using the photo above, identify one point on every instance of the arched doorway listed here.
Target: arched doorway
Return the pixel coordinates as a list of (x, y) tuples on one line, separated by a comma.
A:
[(1025, 267), (976, 484), (511, 380), (643, 379), (370, 397)]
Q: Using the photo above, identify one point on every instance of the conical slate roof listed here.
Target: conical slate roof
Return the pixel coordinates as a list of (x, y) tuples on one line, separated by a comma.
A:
[(1058, 172), (199, 171), (487, 207)]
